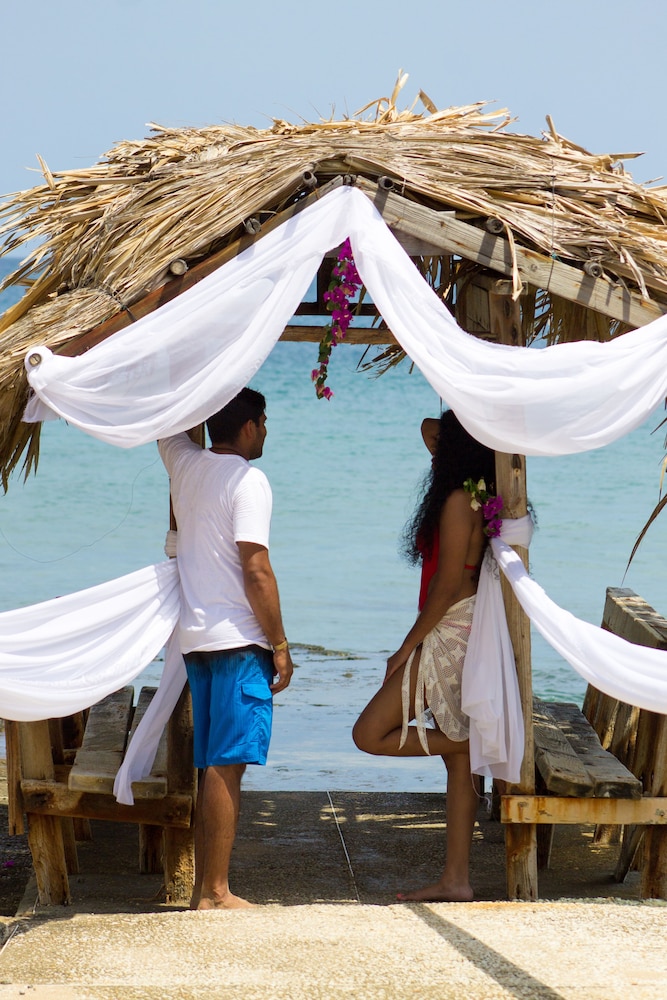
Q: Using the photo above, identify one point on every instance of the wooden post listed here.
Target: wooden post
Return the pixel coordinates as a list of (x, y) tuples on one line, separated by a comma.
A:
[(151, 848), (654, 867), (15, 824), (179, 856), (520, 838), (66, 823), (45, 836), (179, 845)]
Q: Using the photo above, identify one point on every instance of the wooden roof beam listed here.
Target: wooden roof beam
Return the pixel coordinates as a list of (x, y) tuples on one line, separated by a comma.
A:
[(451, 236), (354, 335)]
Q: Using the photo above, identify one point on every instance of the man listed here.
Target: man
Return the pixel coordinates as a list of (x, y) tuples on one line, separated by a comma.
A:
[(231, 629)]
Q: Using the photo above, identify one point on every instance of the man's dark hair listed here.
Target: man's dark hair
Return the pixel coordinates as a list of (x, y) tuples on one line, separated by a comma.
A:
[(225, 425)]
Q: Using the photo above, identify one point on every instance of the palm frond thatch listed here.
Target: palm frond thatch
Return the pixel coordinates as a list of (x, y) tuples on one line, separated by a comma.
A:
[(106, 235)]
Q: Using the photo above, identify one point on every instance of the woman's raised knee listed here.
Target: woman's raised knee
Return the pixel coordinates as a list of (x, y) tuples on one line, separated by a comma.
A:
[(363, 738)]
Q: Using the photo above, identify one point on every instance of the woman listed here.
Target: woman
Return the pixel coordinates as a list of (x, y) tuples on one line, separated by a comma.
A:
[(447, 534)]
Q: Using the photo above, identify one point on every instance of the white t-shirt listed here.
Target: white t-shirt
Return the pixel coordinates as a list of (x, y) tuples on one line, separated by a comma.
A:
[(218, 500)]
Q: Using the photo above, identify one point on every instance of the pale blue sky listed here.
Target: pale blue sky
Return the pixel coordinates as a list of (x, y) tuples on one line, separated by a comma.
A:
[(79, 75)]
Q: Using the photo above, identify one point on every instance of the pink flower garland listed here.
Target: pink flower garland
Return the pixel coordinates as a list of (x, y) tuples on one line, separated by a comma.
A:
[(345, 282)]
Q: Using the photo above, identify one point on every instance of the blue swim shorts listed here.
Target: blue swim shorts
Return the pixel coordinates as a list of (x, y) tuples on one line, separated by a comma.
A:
[(232, 705)]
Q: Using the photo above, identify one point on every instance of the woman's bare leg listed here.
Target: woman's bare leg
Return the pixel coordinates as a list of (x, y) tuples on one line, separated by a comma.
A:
[(453, 886), (378, 729)]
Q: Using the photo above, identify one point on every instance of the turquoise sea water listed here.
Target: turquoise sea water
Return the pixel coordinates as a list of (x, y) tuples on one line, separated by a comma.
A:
[(345, 475)]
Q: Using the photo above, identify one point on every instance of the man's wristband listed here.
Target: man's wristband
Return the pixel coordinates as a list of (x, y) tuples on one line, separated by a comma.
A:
[(278, 648)]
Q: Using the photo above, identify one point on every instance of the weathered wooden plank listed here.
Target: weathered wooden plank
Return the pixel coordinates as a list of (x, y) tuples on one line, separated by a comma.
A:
[(155, 784), (101, 753), (52, 798), (609, 777), (556, 809), (556, 759), (355, 335), (631, 617), (456, 237)]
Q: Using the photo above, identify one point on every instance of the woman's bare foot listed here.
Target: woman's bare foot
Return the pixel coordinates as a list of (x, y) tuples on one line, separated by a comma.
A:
[(440, 892), (227, 902)]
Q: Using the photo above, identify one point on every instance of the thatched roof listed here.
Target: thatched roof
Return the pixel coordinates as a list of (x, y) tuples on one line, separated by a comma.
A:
[(109, 234)]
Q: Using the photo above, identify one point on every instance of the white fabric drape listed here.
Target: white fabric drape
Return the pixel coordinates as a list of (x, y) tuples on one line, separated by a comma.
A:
[(173, 368), (621, 669), (490, 690), (63, 655), (140, 754)]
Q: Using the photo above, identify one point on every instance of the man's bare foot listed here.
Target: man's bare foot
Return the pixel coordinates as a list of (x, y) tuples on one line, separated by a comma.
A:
[(438, 893), (227, 902)]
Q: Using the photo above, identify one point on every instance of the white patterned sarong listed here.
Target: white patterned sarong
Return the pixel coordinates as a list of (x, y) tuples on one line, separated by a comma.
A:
[(439, 676)]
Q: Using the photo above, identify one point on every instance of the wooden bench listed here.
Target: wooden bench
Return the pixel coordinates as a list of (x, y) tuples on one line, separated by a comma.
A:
[(61, 774), (605, 765), (571, 762), (638, 738)]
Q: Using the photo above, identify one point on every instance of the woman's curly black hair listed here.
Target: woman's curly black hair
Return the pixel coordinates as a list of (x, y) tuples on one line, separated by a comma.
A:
[(458, 457)]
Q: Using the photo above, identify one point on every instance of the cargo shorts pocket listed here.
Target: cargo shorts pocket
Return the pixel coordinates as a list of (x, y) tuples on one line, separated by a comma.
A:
[(258, 703)]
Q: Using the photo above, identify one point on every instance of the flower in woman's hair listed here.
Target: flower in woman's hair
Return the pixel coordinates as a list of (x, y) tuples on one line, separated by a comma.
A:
[(494, 527), (491, 505), (492, 508)]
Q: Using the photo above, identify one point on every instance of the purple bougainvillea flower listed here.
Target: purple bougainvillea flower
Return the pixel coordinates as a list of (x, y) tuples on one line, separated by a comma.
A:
[(345, 282), (492, 507)]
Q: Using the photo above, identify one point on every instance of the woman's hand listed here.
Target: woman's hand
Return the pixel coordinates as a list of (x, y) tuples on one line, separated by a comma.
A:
[(396, 661)]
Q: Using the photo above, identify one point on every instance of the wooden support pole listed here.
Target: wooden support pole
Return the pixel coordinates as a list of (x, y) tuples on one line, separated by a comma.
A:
[(15, 821), (520, 839), (45, 835), (179, 845), (654, 867)]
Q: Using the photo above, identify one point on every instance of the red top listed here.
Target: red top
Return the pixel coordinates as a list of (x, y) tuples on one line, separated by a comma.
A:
[(429, 567)]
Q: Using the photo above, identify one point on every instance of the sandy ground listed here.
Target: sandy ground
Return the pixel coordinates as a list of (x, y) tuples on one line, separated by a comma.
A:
[(323, 869)]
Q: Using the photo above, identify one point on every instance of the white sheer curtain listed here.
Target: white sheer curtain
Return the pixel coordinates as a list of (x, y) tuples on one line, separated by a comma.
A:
[(172, 369), (61, 656)]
